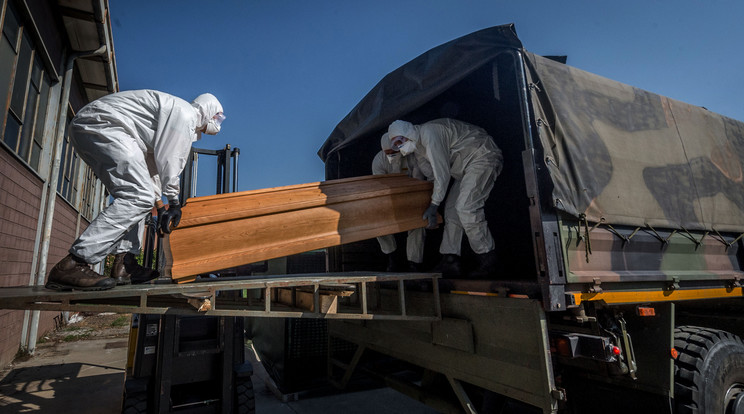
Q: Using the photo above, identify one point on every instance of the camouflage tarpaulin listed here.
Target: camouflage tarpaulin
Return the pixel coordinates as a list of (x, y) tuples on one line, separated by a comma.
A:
[(622, 155)]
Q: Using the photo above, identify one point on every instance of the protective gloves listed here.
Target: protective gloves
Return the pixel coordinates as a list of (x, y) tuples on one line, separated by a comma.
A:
[(173, 214), (430, 215)]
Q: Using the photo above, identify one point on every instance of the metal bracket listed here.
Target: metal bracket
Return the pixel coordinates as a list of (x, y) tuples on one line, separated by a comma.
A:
[(736, 283), (629, 353), (559, 394), (467, 404), (675, 284), (596, 288)]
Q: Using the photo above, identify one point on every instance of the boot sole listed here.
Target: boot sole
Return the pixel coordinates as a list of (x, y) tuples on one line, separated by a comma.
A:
[(62, 287)]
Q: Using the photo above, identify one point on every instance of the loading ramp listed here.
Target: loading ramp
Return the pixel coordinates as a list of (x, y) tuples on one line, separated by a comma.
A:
[(320, 295)]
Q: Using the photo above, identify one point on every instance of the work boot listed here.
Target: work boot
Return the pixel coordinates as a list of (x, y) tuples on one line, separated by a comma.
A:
[(126, 270), (395, 262), (486, 266), (449, 266), (73, 273), (414, 267)]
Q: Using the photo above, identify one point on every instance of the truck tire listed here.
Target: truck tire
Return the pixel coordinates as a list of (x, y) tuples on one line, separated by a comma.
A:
[(245, 400), (708, 372)]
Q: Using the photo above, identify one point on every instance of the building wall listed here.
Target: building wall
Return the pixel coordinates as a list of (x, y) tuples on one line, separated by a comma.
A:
[(20, 197), (20, 200), (22, 186)]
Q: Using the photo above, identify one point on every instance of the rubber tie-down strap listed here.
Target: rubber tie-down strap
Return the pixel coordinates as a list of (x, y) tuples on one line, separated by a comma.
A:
[(661, 239), (691, 237), (585, 236), (624, 238), (738, 238), (722, 239)]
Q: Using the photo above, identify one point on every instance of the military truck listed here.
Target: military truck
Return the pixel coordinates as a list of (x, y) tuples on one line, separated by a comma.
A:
[(618, 219)]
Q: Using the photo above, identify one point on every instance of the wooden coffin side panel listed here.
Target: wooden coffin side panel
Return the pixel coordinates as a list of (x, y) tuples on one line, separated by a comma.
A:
[(223, 207), (372, 212)]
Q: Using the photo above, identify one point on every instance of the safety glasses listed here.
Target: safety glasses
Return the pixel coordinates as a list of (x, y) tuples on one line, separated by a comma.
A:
[(218, 118), (396, 142)]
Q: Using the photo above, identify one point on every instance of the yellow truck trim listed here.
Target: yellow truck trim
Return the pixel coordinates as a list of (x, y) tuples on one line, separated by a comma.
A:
[(657, 295)]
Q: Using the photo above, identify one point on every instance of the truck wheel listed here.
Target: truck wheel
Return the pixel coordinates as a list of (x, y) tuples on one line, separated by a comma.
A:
[(245, 400), (709, 371)]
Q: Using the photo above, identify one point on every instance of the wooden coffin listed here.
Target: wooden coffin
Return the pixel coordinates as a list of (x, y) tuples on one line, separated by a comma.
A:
[(229, 230)]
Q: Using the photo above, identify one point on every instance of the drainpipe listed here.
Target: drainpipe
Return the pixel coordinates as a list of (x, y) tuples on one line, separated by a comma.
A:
[(53, 179)]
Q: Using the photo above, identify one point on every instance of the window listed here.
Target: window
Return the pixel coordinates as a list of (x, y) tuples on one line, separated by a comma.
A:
[(88, 194), (24, 90), (67, 184)]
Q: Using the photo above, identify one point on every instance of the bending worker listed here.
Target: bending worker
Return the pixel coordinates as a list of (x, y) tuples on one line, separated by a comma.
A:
[(466, 154), (137, 143), (389, 161)]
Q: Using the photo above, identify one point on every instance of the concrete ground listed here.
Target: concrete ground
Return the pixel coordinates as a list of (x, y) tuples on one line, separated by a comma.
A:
[(86, 375)]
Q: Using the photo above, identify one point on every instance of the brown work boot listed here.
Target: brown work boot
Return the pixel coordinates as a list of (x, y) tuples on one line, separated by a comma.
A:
[(72, 273), (126, 270)]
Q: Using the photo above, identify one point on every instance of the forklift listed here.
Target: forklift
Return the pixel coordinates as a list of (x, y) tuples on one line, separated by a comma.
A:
[(188, 364)]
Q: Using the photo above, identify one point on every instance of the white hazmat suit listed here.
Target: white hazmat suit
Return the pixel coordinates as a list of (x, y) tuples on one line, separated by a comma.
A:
[(466, 154), (137, 143), (391, 164)]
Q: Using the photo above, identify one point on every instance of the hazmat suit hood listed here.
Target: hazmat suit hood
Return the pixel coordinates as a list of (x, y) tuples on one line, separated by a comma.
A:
[(207, 106), (403, 129), (385, 141)]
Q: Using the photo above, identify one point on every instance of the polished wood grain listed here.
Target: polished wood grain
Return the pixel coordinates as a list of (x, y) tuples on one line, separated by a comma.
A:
[(228, 230)]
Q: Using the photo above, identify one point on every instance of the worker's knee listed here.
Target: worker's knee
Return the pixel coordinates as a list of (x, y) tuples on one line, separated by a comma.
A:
[(470, 217)]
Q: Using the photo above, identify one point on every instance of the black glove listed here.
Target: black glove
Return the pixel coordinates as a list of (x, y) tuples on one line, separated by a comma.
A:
[(173, 214), (431, 216)]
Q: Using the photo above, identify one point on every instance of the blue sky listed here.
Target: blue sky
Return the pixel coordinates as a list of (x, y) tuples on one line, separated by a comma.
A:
[(287, 72)]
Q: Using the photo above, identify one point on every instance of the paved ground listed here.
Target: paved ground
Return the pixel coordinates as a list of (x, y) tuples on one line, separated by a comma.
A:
[(80, 369)]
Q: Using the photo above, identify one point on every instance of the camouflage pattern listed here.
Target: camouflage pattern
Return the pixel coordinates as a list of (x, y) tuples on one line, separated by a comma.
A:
[(623, 156), (645, 254)]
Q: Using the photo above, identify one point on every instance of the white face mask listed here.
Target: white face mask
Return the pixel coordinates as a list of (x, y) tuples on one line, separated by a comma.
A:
[(212, 127), (408, 147), (393, 158), (214, 124)]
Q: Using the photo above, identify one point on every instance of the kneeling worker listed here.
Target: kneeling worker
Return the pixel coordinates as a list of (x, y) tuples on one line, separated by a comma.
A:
[(133, 141)]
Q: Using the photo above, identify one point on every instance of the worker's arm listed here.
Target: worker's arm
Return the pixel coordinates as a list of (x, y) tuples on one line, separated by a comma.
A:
[(437, 153), (177, 130)]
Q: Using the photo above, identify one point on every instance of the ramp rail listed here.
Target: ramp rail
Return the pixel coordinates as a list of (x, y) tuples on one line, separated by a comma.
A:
[(320, 295)]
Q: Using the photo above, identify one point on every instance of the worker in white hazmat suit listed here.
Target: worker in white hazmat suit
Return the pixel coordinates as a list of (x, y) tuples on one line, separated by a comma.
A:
[(137, 143), (466, 154), (389, 161)]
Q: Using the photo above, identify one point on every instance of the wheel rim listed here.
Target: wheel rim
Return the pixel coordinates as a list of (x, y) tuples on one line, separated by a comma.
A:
[(734, 398)]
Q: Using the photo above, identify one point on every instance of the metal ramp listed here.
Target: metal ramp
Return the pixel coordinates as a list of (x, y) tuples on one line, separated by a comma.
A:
[(321, 295)]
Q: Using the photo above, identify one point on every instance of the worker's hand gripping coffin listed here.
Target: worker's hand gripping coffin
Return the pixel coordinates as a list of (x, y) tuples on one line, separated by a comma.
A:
[(228, 230)]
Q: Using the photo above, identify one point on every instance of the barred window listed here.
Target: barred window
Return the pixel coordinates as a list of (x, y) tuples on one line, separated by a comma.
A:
[(24, 90), (88, 194), (68, 167)]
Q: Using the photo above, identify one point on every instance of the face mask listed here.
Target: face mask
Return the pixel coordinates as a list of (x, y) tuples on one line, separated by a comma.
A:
[(393, 158), (212, 128), (408, 147), (214, 125)]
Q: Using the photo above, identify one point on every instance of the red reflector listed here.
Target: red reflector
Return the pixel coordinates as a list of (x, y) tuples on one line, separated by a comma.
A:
[(615, 350), (675, 354), (563, 346), (646, 311)]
